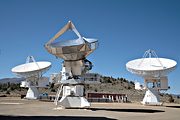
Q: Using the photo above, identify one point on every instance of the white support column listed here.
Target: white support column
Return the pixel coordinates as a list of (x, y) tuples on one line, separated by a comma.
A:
[(32, 93)]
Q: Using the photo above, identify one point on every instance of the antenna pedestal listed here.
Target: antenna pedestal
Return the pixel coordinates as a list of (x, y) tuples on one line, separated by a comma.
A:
[(73, 96), (73, 90), (154, 85), (151, 97), (74, 102), (32, 93)]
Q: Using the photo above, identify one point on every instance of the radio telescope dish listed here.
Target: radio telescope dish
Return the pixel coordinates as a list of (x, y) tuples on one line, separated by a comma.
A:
[(154, 67), (75, 65), (32, 71), (76, 49), (154, 70)]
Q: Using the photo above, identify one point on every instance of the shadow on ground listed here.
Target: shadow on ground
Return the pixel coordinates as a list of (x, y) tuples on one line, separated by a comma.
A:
[(52, 118), (128, 110), (173, 106)]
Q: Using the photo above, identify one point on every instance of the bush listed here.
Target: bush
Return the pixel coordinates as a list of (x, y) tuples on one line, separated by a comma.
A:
[(171, 100), (10, 87), (8, 92), (131, 82), (95, 90), (107, 80)]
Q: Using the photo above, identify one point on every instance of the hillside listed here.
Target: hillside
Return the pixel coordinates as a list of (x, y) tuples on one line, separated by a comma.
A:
[(107, 85), (119, 86), (123, 86)]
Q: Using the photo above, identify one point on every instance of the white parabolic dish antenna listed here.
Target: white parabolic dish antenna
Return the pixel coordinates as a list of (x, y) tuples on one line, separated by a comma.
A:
[(31, 69), (154, 70), (154, 67)]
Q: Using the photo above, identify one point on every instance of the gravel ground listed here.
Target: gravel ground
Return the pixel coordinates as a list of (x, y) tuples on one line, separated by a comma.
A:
[(13, 108)]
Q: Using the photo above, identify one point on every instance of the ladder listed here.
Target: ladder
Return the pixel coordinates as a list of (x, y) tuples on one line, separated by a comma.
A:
[(58, 94)]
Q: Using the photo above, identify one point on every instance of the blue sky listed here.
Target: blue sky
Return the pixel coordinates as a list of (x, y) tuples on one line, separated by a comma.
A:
[(125, 30)]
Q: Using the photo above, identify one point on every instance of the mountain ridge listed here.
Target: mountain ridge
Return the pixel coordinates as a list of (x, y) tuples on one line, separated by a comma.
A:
[(11, 80)]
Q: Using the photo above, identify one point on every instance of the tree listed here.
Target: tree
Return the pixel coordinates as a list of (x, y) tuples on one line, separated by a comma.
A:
[(170, 99)]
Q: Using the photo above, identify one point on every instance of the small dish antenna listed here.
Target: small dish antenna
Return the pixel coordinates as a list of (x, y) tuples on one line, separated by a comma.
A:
[(154, 70), (32, 71)]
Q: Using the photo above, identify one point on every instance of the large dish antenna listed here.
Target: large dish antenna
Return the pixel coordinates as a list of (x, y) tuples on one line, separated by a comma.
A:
[(32, 71), (71, 50), (154, 70), (75, 65)]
